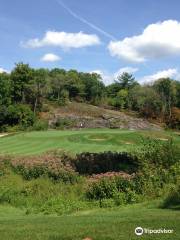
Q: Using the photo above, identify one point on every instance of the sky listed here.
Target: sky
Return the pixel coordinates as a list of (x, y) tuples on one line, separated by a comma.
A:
[(105, 36)]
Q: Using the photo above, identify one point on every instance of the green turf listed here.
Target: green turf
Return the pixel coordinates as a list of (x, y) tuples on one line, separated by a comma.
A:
[(95, 140), (117, 224)]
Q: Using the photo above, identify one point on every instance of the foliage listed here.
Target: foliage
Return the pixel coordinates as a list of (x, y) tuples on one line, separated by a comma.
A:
[(21, 75), (40, 125), (41, 195), (157, 152), (5, 89), (55, 165), (19, 114), (119, 189), (34, 87), (173, 198), (126, 81), (64, 123)]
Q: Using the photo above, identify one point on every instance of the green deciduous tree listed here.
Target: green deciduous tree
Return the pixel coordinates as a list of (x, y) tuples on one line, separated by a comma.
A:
[(20, 76)]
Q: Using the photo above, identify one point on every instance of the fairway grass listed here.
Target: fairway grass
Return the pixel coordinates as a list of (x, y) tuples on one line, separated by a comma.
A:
[(106, 224), (94, 140)]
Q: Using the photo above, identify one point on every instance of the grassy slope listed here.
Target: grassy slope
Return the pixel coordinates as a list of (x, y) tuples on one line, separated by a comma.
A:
[(97, 224), (77, 141)]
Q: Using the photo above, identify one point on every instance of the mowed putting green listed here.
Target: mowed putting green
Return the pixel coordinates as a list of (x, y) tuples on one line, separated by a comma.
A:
[(94, 140)]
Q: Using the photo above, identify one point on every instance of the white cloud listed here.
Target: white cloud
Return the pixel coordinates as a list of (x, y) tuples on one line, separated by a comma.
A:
[(158, 40), (109, 78), (3, 70), (64, 40), (50, 57), (169, 73)]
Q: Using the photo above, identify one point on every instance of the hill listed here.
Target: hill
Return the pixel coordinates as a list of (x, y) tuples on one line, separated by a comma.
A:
[(83, 115)]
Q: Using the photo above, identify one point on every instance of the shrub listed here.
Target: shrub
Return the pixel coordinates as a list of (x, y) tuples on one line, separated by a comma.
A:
[(131, 197), (119, 198), (64, 98), (148, 182), (107, 203), (174, 121), (30, 172), (111, 193), (174, 173), (105, 188), (20, 114), (45, 108), (156, 152), (63, 123), (56, 165), (40, 125), (123, 184), (173, 198), (60, 206), (41, 195)]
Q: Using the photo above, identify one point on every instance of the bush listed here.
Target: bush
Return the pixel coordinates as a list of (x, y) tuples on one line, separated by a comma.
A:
[(40, 125), (20, 114), (105, 188), (64, 123), (45, 108), (119, 198), (64, 98), (173, 198), (56, 165), (36, 171), (41, 195), (174, 173), (107, 203), (111, 193), (174, 122), (156, 152), (60, 206)]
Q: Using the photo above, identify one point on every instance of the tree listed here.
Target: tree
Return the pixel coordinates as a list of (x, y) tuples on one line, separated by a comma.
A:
[(58, 81), (126, 81), (146, 101), (74, 85), (36, 87), (149, 102), (177, 86), (5, 89), (165, 87), (20, 76), (94, 88), (122, 95), (120, 101), (19, 114), (113, 89)]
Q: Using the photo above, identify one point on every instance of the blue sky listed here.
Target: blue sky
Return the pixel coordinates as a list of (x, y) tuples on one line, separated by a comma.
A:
[(78, 36)]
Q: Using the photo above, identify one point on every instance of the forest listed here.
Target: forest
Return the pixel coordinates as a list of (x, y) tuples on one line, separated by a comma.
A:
[(25, 92)]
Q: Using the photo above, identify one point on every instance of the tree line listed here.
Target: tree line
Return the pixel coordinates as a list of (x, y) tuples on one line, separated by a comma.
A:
[(25, 90)]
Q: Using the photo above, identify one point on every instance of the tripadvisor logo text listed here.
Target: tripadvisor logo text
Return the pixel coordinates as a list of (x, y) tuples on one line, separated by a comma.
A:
[(140, 231)]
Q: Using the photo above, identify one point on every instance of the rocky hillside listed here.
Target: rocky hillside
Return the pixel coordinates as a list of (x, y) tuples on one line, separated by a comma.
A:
[(81, 115)]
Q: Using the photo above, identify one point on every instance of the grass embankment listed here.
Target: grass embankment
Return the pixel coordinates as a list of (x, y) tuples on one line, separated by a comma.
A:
[(97, 140), (107, 224)]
